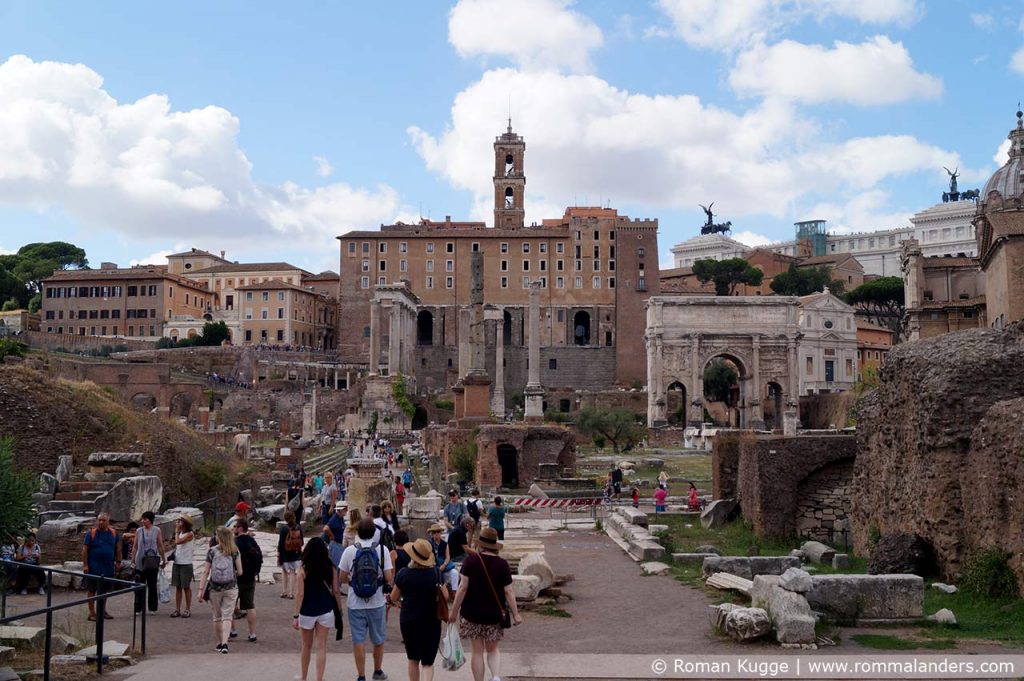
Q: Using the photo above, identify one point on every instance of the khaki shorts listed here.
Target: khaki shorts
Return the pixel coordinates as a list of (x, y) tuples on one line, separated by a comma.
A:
[(223, 603)]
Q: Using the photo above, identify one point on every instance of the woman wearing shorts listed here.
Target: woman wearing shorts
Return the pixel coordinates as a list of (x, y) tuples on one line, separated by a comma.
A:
[(416, 588), (223, 565), (317, 598), (288, 557), (181, 570)]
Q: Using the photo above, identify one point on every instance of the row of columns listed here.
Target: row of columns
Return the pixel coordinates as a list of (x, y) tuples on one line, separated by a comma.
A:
[(401, 335)]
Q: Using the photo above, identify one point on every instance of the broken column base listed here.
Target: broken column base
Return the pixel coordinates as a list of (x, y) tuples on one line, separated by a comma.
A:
[(534, 396)]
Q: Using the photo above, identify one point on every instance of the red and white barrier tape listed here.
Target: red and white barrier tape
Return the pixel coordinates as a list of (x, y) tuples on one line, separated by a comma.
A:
[(531, 502)]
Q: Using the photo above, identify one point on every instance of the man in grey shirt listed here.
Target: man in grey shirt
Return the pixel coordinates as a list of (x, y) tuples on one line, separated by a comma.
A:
[(453, 511)]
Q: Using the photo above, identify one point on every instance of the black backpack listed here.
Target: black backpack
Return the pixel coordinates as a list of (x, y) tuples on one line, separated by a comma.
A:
[(387, 538), (252, 558), (473, 508)]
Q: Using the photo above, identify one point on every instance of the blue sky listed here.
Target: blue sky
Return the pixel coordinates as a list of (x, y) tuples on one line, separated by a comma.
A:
[(266, 129)]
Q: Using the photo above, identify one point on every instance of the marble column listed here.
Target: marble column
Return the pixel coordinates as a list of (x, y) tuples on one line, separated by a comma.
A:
[(534, 391), (696, 409), (757, 394), (395, 340), (498, 398), (374, 337)]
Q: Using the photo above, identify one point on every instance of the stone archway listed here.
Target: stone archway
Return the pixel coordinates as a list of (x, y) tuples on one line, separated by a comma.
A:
[(581, 328), (419, 418), (771, 405), (424, 328), (732, 396), (676, 405), (144, 402), (508, 461), (181, 405)]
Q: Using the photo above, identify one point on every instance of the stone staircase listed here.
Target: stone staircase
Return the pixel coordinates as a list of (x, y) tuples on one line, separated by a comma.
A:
[(78, 495), (330, 460)]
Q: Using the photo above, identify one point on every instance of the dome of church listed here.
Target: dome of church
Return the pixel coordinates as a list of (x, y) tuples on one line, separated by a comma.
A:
[(1008, 181)]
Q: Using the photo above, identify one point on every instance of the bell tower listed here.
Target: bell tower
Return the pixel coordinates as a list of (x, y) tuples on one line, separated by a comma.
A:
[(509, 180)]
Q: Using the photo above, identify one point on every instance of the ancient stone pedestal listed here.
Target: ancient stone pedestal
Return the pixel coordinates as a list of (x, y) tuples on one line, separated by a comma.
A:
[(367, 487), (790, 421), (459, 393), (475, 398)]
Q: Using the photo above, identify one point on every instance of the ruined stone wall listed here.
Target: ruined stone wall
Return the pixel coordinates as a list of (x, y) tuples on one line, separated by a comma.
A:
[(765, 474), (927, 461), (823, 503), (75, 343), (246, 407), (819, 412), (534, 445)]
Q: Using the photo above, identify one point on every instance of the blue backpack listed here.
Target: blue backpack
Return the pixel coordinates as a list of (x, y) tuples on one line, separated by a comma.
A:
[(366, 572)]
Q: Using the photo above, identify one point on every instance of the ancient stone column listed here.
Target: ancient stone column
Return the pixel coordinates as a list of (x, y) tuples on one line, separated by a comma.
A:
[(534, 391), (395, 340), (498, 398), (374, 337), (659, 381), (476, 381), (696, 395), (756, 412)]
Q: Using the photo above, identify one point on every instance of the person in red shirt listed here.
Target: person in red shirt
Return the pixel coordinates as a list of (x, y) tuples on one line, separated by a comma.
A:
[(399, 495), (660, 495), (636, 498)]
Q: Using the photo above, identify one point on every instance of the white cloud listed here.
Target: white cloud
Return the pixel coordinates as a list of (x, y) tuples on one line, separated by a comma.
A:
[(323, 166), (1002, 153), (875, 72), (1017, 61), (532, 33), (586, 137), (158, 258), (865, 212), (143, 169), (732, 24), (752, 239), (983, 20), (4, 251)]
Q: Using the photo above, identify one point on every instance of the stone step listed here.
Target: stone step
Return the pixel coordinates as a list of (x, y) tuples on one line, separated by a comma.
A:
[(76, 506), (84, 486), (86, 495), (728, 582), (108, 477)]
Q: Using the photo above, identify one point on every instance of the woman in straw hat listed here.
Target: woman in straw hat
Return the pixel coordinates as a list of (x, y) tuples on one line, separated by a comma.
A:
[(484, 598), (418, 587)]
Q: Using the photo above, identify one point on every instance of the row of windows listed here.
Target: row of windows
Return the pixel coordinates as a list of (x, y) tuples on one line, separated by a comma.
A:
[(403, 246), (265, 314), (449, 266), (98, 291), (114, 330), (299, 337)]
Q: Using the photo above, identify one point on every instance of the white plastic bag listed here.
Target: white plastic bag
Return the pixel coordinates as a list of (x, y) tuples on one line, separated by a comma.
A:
[(452, 654), (163, 589)]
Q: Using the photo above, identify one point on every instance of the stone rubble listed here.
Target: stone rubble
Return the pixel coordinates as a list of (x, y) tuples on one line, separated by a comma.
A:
[(795, 580)]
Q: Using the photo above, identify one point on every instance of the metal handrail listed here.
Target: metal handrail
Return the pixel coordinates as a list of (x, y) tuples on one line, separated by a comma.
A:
[(101, 608)]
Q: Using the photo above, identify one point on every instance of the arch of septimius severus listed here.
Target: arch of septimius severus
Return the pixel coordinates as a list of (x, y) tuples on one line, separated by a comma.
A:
[(759, 335)]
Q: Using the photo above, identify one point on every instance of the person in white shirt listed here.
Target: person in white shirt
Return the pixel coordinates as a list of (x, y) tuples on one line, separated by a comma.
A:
[(367, 610)]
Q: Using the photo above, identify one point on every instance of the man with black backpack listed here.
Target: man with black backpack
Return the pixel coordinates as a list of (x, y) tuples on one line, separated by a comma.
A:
[(367, 569), (252, 563)]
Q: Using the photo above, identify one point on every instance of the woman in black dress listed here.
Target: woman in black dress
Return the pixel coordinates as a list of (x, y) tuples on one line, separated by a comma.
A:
[(416, 587)]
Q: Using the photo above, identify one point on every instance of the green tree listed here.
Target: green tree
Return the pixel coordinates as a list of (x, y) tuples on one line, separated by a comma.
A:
[(615, 425), (719, 378), (727, 274), (803, 281), (16, 488), (214, 333), (882, 301), (35, 302), (9, 305), (9, 346), (39, 260)]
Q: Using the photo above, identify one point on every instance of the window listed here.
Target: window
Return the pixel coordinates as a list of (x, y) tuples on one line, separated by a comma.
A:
[(543, 247), (596, 282), (248, 335), (579, 235), (263, 314), (504, 282), (543, 265), (526, 247), (152, 290), (449, 282), (450, 247), (849, 367), (611, 265), (366, 332), (170, 293), (266, 296), (597, 265), (430, 247), (810, 366), (383, 265), (115, 314), (526, 265), (611, 282), (132, 290), (504, 265), (430, 265), (364, 282), (403, 247), (526, 282), (403, 265), (382, 281), (280, 313), (280, 296), (504, 247), (578, 282), (640, 252), (351, 247), (579, 251), (553, 364), (382, 247), (449, 265), (280, 334), (560, 265), (560, 247), (641, 284), (597, 235), (611, 235), (543, 282), (578, 265), (476, 246), (597, 251), (559, 283), (430, 282)]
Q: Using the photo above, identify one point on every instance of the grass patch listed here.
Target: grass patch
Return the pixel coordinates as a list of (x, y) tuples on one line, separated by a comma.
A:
[(858, 566), (887, 642), (553, 611), (977, 618)]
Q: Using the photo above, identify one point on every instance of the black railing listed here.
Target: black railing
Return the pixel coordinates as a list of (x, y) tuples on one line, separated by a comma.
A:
[(105, 588)]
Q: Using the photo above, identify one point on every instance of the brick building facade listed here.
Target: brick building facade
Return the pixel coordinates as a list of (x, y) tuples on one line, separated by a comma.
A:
[(596, 269)]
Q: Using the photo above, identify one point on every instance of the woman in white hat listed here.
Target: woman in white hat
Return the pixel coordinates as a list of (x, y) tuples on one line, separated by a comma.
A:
[(417, 588)]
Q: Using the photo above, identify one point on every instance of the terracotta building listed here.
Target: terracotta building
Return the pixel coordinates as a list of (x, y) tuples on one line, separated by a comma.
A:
[(134, 302), (941, 293), (595, 269), (276, 312), (873, 343)]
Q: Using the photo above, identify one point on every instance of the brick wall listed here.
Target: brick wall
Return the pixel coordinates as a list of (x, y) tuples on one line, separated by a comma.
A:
[(823, 502), (74, 343)]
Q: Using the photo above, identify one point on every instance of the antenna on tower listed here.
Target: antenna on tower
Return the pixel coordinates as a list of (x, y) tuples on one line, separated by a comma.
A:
[(510, 112)]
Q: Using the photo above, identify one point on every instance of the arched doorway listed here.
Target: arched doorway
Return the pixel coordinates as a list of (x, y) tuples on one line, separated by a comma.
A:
[(424, 328), (771, 406), (181, 405), (508, 459), (723, 398), (144, 402), (419, 418), (676, 404), (581, 328)]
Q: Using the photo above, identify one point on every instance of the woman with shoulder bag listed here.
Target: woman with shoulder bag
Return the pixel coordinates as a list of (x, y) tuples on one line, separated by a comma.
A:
[(148, 556), (420, 593), (486, 602)]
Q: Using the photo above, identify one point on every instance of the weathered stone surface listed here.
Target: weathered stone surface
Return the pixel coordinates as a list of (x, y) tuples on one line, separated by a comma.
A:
[(841, 561), (655, 568), (718, 613), (22, 637), (944, 616), (817, 552), (902, 553), (62, 644), (748, 566), (6, 654), (796, 580), (747, 624), (53, 530), (423, 508), (691, 557), (47, 484), (536, 565), (716, 514), (707, 548), (64, 468), (646, 549), (653, 463), (655, 529), (725, 581), (41, 500), (791, 616), (526, 587), (867, 597), (8, 674), (131, 497), (939, 447), (761, 589), (797, 553), (112, 648), (76, 581), (634, 516), (271, 514), (178, 511), (536, 492), (945, 588), (116, 459)]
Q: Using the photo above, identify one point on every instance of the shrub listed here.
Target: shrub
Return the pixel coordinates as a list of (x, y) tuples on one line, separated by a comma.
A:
[(401, 398), (988, 574), (462, 460), (211, 476), (16, 488), (12, 347), (445, 405)]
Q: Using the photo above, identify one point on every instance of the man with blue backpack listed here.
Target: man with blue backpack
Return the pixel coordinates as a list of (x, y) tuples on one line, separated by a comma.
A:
[(367, 569)]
